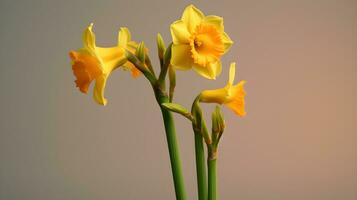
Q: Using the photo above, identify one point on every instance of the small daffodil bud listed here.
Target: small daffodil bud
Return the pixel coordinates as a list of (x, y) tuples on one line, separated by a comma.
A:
[(167, 56), (140, 52), (172, 79), (199, 122), (218, 125), (160, 46)]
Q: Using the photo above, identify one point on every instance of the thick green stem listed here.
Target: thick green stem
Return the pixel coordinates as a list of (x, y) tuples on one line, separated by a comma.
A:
[(173, 151), (162, 97), (212, 179), (200, 167)]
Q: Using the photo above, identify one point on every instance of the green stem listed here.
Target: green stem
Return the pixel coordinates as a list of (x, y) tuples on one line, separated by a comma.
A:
[(161, 97), (200, 167), (212, 179), (173, 150)]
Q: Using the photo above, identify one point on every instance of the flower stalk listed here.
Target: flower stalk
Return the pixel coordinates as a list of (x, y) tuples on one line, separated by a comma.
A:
[(162, 98), (173, 150), (200, 167), (200, 132), (212, 178)]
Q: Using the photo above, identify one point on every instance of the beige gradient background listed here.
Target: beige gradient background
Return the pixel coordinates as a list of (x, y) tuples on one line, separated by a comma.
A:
[(298, 141)]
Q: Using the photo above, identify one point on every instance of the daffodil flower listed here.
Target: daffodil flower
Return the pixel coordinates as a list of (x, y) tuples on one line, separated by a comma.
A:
[(198, 42), (96, 63), (231, 95), (124, 41)]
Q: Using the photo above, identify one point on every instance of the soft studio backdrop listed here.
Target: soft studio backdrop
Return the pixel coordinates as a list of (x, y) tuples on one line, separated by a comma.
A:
[(298, 141)]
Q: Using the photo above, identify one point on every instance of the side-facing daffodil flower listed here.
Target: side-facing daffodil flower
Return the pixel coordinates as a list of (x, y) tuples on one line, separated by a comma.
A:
[(124, 40), (231, 95), (198, 42), (96, 63)]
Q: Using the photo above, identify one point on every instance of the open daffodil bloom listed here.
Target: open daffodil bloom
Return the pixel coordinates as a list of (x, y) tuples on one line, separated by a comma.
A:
[(124, 41), (231, 95), (96, 63), (198, 42)]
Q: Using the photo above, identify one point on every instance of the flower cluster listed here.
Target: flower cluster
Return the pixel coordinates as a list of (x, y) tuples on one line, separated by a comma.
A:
[(198, 43)]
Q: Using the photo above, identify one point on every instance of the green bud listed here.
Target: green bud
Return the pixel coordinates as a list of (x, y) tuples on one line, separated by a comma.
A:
[(172, 78), (197, 113), (177, 108), (218, 124), (160, 46), (140, 52), (198, 121), (167, 56)]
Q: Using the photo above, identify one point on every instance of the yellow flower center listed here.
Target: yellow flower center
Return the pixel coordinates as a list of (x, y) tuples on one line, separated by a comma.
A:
[(86, 68), (206, 44)]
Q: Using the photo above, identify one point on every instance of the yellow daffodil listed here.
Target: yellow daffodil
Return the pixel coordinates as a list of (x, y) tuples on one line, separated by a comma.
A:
[(96, 63), (124, 38), (231, 95), (198, 42)]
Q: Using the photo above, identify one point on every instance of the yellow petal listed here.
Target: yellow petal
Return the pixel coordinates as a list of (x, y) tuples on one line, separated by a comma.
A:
[(226, 41), (89, 38), (98, 92), (203, 71), (179, 32), (216, 21), (192, 16), (232, 72), (111, 58), (124, 37), (217, 67), (181, 57), (211, 71)]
